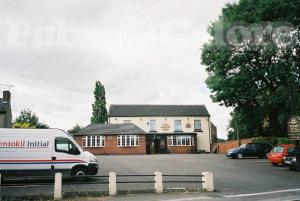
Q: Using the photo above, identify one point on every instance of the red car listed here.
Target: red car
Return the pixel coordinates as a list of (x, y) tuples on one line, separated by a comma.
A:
[(277, 154)]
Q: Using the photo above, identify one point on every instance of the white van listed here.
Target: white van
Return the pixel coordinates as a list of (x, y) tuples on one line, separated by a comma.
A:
[(29, 152)]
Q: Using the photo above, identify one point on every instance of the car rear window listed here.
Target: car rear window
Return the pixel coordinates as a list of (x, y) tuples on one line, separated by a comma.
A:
[(278, 149)]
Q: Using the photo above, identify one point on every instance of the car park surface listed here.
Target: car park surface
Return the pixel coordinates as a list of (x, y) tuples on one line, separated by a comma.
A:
[(251, 175)]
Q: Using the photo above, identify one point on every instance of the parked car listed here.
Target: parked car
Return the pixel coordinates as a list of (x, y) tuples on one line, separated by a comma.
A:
[(290, 159), (278, 153), (250, 150)]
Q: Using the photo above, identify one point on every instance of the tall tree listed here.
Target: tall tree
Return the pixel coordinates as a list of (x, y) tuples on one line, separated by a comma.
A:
[(28, 119), (99, 106), (251, 70)]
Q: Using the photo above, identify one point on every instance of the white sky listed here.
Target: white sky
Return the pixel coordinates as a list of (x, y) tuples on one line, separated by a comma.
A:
[(143, 51)]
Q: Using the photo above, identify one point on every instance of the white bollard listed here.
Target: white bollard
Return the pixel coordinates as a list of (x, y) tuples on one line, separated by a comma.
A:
[(112, 186), (208, 181), (58, 186), (158, 186)]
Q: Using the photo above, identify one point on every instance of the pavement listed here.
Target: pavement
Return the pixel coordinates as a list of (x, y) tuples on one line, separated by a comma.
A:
[(246, 179), (270, 196)]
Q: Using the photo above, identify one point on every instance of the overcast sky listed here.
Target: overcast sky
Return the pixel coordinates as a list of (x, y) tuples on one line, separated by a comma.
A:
[(143, 51)]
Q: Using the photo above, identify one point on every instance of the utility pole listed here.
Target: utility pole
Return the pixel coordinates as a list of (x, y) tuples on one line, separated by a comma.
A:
[(237, 130)]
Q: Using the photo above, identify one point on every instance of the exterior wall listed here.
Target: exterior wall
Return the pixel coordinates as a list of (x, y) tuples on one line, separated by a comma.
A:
[(203, 138), (181, 149), (111, 146), (214, 134), (2, 120), (8, 118)]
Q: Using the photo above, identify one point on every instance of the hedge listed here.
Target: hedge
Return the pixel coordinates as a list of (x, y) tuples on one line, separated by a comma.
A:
[(271, 140)]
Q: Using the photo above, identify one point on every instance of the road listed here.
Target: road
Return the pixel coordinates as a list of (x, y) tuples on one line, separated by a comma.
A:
[(231, 177)]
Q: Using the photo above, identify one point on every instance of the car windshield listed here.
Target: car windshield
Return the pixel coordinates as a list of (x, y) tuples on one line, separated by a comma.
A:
[(277, 149), (243, 146)]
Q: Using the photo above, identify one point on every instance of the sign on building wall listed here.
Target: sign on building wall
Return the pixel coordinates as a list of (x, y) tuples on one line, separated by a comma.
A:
[(165, 127), (294, 127)]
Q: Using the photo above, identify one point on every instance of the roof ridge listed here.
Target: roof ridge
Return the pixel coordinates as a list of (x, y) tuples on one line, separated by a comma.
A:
[(157, 104)]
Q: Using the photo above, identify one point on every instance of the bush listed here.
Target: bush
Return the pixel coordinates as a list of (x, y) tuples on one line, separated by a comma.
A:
[(284, 141), (271, 140)]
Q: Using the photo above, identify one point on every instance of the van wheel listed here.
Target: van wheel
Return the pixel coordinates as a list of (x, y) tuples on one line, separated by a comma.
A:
[(239, 156), (79, 171)]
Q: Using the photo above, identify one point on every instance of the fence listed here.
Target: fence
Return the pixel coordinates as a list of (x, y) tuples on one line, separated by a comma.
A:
[(206, 179)]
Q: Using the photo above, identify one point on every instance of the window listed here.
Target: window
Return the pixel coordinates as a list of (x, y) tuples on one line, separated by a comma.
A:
[(278, 149), (65, 146), (128, 140), (197, 125), (180, 140), (152, 125), (177, 126), (93, 141)]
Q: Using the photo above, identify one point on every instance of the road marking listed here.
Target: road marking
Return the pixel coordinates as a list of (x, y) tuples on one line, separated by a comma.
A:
[(187, 199), (263, 193)]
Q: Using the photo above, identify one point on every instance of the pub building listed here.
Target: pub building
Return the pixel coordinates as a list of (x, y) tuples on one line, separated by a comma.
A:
[(150, 129)]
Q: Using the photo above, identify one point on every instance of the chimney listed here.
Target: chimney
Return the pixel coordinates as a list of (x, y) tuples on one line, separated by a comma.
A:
[(6, 96)]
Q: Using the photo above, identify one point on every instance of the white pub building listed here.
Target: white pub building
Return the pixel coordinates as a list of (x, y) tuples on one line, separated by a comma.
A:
[(169, 128)]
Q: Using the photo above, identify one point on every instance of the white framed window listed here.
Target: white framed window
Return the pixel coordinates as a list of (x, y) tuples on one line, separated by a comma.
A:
[(93, 141), (177, 125), (128, 140), (197, 125), (152, 125), (180, 140)]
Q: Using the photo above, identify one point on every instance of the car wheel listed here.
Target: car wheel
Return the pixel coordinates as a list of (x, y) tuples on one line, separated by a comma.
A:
[(239, 156), (275, 164), (79, 172)]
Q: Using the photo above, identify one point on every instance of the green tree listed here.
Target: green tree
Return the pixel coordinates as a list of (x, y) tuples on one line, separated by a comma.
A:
[(75, 129), (28, 119), (252, 72), (99, 106)]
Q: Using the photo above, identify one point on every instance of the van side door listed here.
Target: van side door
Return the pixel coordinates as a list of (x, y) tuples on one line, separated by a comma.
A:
[(65, 155)]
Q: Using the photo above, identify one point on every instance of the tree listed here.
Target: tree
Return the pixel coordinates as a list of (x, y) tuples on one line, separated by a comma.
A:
[(99, 106), (75, 129), (252, 68), (28, 119)]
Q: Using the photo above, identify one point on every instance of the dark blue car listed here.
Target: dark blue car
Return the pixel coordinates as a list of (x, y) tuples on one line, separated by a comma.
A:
[(250, 150)]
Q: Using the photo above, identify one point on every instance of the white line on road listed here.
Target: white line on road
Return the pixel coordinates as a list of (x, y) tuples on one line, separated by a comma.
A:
[(263, 193), (238, 195), (190, 199)]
